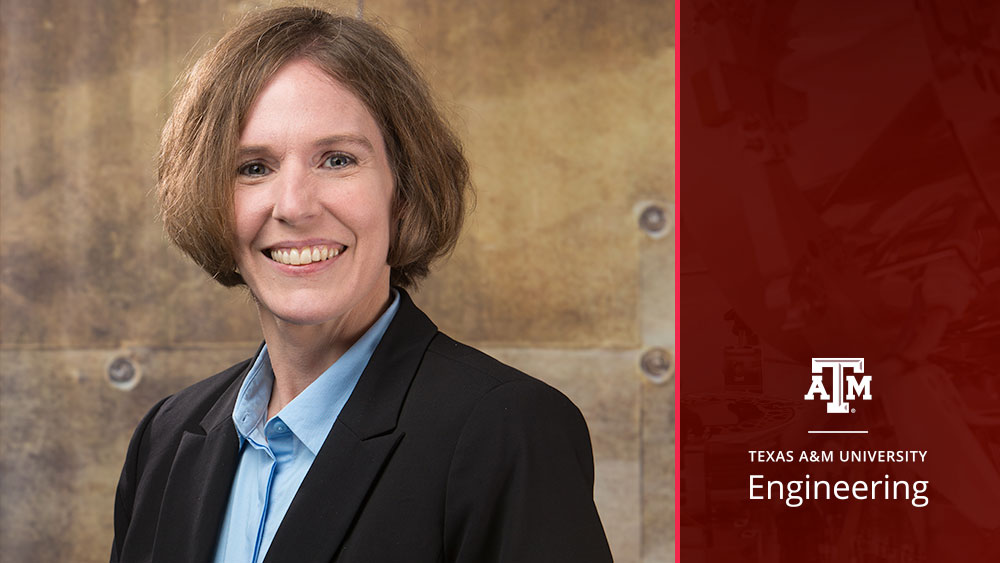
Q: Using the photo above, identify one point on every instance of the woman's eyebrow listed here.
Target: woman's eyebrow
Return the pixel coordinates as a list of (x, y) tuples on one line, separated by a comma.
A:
[(254, 151), (348, 139), (359, 140)]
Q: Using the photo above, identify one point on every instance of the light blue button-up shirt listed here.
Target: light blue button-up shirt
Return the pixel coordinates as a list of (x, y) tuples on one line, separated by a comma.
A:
[(277, 453)]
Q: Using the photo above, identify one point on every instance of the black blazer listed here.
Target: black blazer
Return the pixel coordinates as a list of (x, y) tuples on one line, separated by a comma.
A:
[(440, 454)]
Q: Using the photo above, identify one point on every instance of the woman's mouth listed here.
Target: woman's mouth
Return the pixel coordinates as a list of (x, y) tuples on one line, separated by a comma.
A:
[(304, 255)]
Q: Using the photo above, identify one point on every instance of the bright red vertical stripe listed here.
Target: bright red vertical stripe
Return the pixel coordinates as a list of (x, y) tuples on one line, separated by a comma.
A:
[(677, 282)]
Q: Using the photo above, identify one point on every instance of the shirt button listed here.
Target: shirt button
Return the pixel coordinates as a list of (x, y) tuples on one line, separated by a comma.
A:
[(279, 427)]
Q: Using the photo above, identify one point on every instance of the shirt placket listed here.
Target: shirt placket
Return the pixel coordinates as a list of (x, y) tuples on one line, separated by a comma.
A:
[(278, 449)]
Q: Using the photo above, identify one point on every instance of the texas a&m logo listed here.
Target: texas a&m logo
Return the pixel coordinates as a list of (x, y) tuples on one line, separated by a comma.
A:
[(845, 387)]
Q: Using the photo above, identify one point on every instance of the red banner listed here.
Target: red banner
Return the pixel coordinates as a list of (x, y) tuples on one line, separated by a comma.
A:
[(839, 281)]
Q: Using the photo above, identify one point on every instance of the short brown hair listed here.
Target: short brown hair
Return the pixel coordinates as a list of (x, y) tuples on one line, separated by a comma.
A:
[(198, 148)]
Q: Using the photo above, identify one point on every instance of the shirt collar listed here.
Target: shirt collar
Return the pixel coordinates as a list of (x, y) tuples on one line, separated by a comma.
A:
[(251, 401), (311, 414)]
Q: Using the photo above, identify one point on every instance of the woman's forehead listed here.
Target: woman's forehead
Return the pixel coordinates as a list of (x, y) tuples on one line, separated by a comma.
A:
[(303, 104)]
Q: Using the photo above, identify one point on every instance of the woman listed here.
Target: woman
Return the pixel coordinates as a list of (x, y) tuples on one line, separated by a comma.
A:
[(305, 160)]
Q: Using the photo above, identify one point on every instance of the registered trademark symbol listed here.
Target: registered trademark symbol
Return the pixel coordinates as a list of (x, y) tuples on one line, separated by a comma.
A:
[(854, 410)]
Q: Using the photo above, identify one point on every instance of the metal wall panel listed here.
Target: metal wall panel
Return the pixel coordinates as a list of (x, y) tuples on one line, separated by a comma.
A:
[(565, 270)]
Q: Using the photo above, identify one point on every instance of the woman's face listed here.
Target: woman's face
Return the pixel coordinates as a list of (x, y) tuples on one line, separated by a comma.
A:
[(313, 201)]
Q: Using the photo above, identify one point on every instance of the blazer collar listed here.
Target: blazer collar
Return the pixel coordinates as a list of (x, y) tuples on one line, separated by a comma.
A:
[(197, 489), (378, 397), (360, 443)]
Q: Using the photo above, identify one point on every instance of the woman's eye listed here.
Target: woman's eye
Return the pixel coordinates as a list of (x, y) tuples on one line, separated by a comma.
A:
[(253, 169), (338, 161)]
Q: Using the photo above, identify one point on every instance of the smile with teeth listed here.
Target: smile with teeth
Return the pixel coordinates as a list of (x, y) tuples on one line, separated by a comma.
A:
[(304, 255)]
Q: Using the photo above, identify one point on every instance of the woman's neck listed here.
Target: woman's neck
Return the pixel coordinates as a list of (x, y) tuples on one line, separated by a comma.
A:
[(299, 354)]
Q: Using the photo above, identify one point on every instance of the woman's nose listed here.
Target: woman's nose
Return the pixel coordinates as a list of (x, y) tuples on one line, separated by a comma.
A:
[(295, 197)]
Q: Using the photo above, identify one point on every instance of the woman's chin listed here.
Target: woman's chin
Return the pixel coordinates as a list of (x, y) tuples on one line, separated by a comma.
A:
[(351, 304), (304, 315)]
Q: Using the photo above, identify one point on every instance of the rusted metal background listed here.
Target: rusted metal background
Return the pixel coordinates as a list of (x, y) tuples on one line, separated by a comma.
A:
[(565, 269)]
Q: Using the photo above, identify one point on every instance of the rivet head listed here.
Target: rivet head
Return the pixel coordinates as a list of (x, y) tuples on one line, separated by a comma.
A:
[(653, 219), (123, 373), (657, 364)]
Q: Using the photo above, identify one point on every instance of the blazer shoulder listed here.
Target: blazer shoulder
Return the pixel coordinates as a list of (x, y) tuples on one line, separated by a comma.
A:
[(188, 407), (484, 378), (474, 363)]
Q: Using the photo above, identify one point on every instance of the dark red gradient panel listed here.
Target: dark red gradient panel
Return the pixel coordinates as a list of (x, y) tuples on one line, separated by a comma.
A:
[(839, 223)]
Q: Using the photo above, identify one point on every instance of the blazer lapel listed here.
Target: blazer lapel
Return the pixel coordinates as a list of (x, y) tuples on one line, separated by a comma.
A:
[(359, 445), (197, 490)]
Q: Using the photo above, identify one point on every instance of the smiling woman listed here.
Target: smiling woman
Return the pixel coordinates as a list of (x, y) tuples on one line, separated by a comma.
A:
[(313, 179), (305, 160)]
